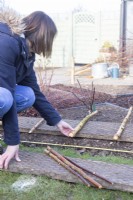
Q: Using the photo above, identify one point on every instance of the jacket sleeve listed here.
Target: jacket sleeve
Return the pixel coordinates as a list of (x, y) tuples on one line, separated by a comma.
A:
[(8, 55), (42, 105)]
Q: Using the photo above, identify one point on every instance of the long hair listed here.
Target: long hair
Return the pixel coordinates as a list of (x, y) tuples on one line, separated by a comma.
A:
[(40, 30)]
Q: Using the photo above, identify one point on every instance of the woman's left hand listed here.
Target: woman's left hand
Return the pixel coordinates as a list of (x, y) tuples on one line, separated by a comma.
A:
[(64, 128)]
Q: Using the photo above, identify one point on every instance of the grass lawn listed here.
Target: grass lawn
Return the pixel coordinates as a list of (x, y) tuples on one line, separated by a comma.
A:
[(48, 189)]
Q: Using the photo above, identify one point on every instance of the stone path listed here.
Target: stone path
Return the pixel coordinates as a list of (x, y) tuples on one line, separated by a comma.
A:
[(40, 164)]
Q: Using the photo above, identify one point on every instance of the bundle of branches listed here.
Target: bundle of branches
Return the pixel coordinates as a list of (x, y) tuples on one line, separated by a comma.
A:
[(75, 169)]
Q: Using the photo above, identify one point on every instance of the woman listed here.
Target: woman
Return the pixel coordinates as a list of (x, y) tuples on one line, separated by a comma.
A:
[(19, 41)]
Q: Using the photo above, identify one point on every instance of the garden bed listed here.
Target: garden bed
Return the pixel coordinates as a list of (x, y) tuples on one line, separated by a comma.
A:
[(111, 109)]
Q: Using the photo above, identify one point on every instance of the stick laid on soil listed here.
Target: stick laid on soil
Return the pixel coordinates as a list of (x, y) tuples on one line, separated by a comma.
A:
[(67, 167), (77, 169), (36, 125), (81, 124), (123, 124)]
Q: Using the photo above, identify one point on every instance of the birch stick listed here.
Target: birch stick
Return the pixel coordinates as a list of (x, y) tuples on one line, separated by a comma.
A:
[(123, 124), (36, 125), (77, 169), (67, 167), (81, 124)]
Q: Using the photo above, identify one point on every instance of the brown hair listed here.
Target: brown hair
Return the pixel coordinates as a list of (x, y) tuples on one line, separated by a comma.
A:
[(40, 30)]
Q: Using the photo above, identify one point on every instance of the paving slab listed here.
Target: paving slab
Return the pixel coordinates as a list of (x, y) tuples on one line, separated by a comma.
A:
[(92, 129), (40, 164)]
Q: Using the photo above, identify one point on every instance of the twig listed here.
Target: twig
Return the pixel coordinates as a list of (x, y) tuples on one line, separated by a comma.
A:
[(77, 169), (80, 87), (93, 97), (81, 124), (36, 125), (94, 173), (85, 104), (89, 105), (67, 167), (123, 124)]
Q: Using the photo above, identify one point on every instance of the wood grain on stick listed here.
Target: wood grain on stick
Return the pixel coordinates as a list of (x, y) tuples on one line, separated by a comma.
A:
[(77, 169), (123, 124), (67, 167), (36, 125), (81, 124), (88, 171)]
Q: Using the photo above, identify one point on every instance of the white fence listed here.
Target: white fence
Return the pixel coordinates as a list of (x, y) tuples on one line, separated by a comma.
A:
[(82, 34)]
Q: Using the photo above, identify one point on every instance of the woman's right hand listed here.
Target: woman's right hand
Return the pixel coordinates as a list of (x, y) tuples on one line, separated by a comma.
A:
[(11, 152)]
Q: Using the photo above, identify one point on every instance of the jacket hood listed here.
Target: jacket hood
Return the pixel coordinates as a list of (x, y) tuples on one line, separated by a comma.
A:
[(12, 19)]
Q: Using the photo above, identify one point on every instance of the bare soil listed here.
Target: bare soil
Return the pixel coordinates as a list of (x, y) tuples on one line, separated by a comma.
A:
[(61, 97), (112, 105)]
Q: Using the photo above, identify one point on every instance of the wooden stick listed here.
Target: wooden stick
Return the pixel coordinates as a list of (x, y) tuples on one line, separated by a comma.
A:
[(82, 71), (81, 124), (123, 124), (67, 167), (76, 146), (80, 171), (94, 173), (36, 125)]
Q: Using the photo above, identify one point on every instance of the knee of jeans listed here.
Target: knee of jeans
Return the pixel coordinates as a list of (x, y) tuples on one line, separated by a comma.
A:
[(30, 96), (25, 99), (6, 101)]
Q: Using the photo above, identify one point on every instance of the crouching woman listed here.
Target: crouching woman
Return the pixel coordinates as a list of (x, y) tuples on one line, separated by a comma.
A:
[(20, 40)]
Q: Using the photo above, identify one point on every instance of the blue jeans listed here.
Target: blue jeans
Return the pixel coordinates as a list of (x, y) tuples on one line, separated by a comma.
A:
[(24, 97)]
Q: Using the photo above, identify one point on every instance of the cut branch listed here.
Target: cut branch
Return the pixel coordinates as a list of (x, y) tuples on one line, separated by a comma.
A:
[(94, 173), (123, 124), (67, 167), (77, 169), (36, 125), (81, 124), (82, 71)]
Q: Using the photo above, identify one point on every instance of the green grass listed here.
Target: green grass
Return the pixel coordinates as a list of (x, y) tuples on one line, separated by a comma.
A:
[(49, 189), (71, 152)]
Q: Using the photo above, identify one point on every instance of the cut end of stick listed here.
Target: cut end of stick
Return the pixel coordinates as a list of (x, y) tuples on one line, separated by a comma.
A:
[(81, 124), (100, 187), (115, 137), (71, 134), (46, 151)]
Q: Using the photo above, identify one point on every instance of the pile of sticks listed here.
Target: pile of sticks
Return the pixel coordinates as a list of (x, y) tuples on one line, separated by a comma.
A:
[(75, 169)]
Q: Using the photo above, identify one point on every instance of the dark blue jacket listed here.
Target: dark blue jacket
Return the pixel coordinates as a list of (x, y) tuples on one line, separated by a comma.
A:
[(16, 67)]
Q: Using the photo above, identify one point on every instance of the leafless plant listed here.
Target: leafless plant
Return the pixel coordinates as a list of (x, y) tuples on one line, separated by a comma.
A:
[(44, 78), (89, 100)]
